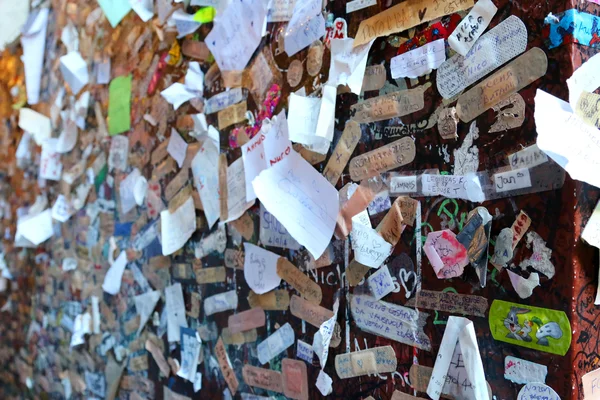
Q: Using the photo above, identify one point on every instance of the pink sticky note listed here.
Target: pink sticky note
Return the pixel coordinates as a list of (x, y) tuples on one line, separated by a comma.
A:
[(447, 256)]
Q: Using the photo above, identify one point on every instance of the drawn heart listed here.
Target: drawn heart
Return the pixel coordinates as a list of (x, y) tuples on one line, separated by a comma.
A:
[(404, 277), (422, 13)]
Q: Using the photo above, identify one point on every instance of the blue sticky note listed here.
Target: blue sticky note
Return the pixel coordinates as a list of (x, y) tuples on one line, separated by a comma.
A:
[(573, 26), (115, 10)]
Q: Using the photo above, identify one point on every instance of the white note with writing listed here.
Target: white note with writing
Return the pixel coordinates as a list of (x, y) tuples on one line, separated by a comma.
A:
[(237, 33), (591, 234), (303, 118), (584, 79), (177, 147), (403, 184), (277, 143), (323, 383), (33, 41), (114, 275), (177, 228), (348, 63), (522, 371), (36, 124), (190, 351), (322, 338), (260, 269), (280, 10), (529, 157), (144, 306), (472, 26), (50, 164), (467, 187), (356, 5), (205, 167), (420, 61), (293, 184), (236, 191), (306, 25), (253, 155), (577, 151), (220, 302), (369, 247), (177, 94), (381, 283), (459, 331), (143, 8), (62, 209), (175, 312), (275, 344), (512, 180), (126, 191)]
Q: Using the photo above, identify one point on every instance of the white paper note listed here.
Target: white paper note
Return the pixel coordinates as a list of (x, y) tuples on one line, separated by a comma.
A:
[(50, 164), (62, 209), (37, 229), (175, 307), (356, 5), (144, 306), (236, 34), (467, 187), (126, 191), (33, 41), (36, 124), (522, 371), (280, 10), (190, 350), (303, 119), (143, 8), (75, 71), (220, 302), (253, 155), (260, 269), (403, 184), (577, 151), (177, 94), (529, 157), (114, 275), (584, 79), (420, 61), (306, 25), (472, 26), (348, 63), (177, 147), (381, 283), (177, 228), (205, 167), (369, 247), (323, 383), (236, 191), (293, 184), (322, 338), (459, 331), (277, 143)]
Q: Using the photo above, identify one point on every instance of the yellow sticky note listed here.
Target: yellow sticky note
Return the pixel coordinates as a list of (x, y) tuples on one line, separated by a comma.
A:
[(204, 15)]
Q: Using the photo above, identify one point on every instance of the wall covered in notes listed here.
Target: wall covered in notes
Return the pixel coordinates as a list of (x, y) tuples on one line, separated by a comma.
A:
[(367, 199)]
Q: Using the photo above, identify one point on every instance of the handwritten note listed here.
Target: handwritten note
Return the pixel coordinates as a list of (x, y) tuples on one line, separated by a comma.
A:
[(522, 371), (420, 61), (273, 233), (512, 180), (466, 187), (370, 249), (377, 360), (403, 184), (385, 158), (175, 307), (190, 351), (472, 26), (177, 227), (220, 302), (177, 147), (381, 283), (304, 351), (205, 167), (306, 25), (402, 324), (529, 157), (294, 184), (260, 269), (50, 165), (537, 390), (447, 255), (236, 34), (356, 5)]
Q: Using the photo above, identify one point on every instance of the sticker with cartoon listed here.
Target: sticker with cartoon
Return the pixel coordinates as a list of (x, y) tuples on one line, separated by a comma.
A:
[(532, 327)]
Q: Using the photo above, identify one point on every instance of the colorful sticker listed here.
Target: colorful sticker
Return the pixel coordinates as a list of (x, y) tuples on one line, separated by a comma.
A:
[(532, 327), (572, 26)]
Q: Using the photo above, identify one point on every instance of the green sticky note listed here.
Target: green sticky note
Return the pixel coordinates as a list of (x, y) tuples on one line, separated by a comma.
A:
[(115, 10), (205, 15), (119, 105)]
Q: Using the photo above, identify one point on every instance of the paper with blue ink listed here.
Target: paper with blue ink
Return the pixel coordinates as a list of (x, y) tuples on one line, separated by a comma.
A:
[(275, 344), (306, 25), (572, 26)]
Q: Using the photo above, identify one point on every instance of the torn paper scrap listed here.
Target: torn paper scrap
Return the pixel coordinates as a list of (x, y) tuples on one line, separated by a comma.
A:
[(420, 61), (114, 275), (322, 339), (523, 372), (584, 79), (576, 152), (540, 259), (323, 383), (381, 283), (220, 302), (37, 228), (458, 336), (306, 25), (447, 255), (177, 94), (206, 179), (467, 32), (143, 8), (348, 63), (255, 161), (144, 306), (294, 184), (303, 120), (275, 344), (524, 287), (115, 10), (260, 269), (75, 71), (369, 247), (177, 227), (190, 351), (175, 307), (537, 390), (236, 34), (35, 124), (33, 41)]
